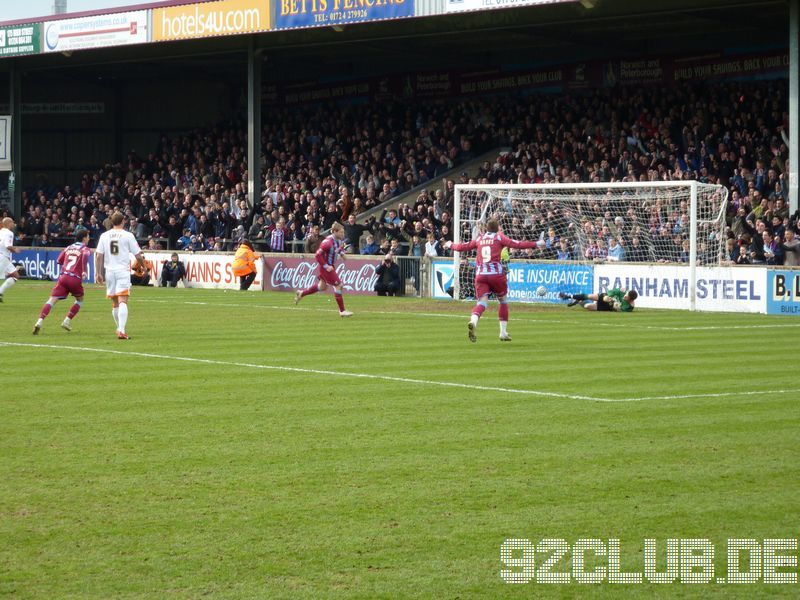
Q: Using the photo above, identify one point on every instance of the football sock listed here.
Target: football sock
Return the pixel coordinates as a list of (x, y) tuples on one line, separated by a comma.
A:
[(115, 314), (123, 316), (478, 311), (45, 310), (310, 290), (579, 297), (502, 314), (339, 300), (74, 310), (7, 284)]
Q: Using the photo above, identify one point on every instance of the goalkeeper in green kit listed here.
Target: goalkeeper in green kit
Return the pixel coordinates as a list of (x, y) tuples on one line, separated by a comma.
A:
[(614, 300)]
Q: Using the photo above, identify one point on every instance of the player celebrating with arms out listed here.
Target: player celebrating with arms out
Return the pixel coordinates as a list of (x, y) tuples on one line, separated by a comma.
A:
[(490, 274), (74, 261), (331, 247), (112, 266), (614, 300)]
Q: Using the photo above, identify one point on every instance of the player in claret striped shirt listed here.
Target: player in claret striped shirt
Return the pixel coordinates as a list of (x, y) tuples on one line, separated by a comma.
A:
[(330, 248), (490, 274), (74, 261)]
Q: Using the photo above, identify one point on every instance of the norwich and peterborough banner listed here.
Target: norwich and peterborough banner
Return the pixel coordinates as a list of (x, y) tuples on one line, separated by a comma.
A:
[(20, 39), (316, 13), (557, 78), (462, 5), (102, 31), (227, 17), (5, 143)]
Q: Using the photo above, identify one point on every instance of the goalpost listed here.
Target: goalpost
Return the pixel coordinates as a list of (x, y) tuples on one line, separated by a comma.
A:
[(578, 224)]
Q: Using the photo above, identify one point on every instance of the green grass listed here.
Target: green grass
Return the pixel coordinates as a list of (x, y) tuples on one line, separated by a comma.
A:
[(139, 476)]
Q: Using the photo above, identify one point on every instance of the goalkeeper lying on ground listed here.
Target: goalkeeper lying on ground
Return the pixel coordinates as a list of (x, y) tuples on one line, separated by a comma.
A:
[(616, 300)]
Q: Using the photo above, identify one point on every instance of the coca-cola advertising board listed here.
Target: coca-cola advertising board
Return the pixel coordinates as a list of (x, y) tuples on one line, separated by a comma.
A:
[(294, 273)]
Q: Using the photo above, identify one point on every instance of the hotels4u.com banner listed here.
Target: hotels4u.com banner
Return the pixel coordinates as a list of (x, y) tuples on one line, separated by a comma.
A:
[(289, 273), (207, 19)]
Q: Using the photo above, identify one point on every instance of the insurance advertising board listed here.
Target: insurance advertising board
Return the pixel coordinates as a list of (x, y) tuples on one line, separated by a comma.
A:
[(207, 19), (317, 13), (524, 280), (101, 31)]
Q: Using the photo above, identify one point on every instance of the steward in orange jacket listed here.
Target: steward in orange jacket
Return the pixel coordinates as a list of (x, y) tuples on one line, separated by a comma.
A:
[(244, 264)]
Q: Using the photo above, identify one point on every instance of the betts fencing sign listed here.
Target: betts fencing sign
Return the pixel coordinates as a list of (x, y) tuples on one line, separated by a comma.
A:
[(289, 273), (209, 19), (19, 40), (316, 13), (119, 29)]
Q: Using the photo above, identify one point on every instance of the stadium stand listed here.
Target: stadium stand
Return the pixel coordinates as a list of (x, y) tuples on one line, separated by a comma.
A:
[(395, 166)]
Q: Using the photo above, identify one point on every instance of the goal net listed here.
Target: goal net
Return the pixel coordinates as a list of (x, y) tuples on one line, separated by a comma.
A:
[(577, 225)]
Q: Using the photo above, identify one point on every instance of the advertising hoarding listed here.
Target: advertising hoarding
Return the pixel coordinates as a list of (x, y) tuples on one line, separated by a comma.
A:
[(40, 263), (229, 17), (719, 289), (208, 271), (783, 292), (452, 6), (524, 279), (20, 39), (316, 13), (289, 273), (102, 31)]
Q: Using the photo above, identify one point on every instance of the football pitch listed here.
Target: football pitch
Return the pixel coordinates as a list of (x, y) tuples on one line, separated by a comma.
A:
[(241, 447)]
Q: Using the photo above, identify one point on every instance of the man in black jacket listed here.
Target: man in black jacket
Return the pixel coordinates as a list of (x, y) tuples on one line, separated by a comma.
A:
[(388, 273), (172, 271)]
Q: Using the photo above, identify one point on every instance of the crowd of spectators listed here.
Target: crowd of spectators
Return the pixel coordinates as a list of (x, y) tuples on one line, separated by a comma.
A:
[(323, 164)]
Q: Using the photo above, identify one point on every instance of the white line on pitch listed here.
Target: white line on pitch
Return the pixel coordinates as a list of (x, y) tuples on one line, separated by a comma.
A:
[(706, 395), (633, 325), (481, 388)]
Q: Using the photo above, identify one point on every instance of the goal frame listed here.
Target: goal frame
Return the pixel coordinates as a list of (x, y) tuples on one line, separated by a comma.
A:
[(621, 185)]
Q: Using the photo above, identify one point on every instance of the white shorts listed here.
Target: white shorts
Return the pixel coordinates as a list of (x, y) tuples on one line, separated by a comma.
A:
[(6, 267), (118, 283)]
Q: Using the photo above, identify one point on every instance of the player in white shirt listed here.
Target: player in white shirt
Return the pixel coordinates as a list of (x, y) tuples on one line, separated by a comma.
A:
[(7, 269), (113, 267)]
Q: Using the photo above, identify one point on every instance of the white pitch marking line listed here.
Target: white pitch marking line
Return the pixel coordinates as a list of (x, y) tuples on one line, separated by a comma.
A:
[(482, 388), (516, 318)]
